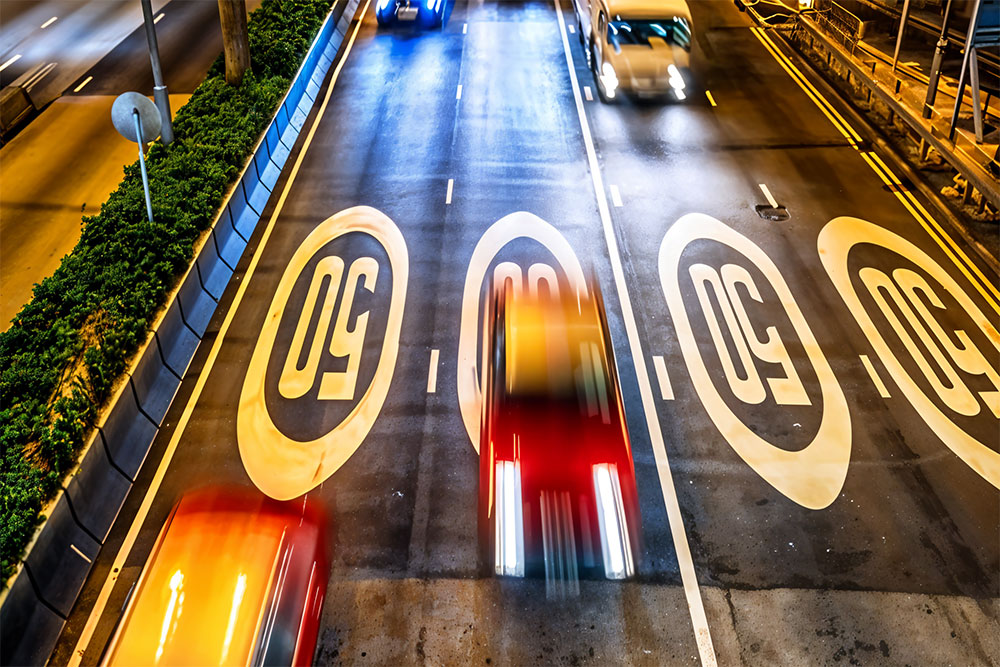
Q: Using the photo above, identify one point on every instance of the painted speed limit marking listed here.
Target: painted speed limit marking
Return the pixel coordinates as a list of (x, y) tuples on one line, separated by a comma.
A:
[(520, 225), (813, 475), (282, 466), (940, 370)]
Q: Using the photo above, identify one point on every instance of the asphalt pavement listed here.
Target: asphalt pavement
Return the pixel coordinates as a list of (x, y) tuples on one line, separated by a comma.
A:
[(814, 429)]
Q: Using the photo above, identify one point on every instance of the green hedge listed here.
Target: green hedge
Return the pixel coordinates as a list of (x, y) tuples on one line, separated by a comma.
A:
[(68, 346)]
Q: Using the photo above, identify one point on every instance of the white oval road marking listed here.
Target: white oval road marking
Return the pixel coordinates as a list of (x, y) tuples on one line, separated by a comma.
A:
[(432, 372), (834, 244), (812, 476), (876, 380), (519, 225), (283, 467)]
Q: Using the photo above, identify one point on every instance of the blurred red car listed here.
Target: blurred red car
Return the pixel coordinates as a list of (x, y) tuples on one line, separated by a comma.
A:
[(235, 578), (557, 493)]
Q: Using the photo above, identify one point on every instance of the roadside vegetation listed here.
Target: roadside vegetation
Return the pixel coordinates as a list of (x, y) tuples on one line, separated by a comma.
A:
[(71, 344)]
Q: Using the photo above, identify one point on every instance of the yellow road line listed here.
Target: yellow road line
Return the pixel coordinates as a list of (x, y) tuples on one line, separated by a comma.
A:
[(969, 269), (123, 552)]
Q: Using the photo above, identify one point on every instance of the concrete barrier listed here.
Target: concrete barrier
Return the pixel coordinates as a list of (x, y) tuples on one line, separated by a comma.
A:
[(42, 595)]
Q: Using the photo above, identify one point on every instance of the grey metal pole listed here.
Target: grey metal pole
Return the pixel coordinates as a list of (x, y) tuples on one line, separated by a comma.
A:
[(939, 51), (899, 37), (160, 95), (142, 163)]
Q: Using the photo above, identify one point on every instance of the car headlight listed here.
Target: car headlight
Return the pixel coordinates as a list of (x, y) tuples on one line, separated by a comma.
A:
[(676, 80), (609, 79), (430, 5)]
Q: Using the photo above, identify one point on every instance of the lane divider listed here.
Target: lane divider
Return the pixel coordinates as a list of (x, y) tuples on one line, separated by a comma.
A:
[(126, 547), (711, 100), (451, 189), (986, 287), (432, 372), (666, 390), (689, 578)]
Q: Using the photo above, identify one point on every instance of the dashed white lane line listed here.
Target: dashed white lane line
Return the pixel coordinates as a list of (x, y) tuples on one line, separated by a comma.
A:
[(666, 391), (432, 372), (616, 197), (689, 578), (159, 17), (49, 22), (10, 61), (458, 93), (465, 28), (80, 553), (83, 83), (147, 502), (451, 188), (572, 29), (767, 193), (876, 380), (711, 100), (588, 93)]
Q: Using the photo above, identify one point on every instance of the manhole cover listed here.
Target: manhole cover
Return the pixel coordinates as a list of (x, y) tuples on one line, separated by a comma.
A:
[(775, 213)]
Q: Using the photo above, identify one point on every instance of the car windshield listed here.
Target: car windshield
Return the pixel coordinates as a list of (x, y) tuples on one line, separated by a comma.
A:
[(675, 31)]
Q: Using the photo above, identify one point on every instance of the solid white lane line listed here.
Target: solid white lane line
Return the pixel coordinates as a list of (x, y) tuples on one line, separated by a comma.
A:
[(432, 372), (159, 17), (692, 593), (10, 62), (876, 380), (80, 553), (49, 22), (616, 197), (588, 93), (83, 83), (147, 502), (465, 28), (767, 193), (451, 188), (666, 391), (458, 94), (711, 100)]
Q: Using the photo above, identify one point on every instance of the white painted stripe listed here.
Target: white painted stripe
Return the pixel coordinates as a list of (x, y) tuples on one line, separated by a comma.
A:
[(572, 29), (10, 62), (80, 553), (666, 391), (39, 75), (767, 193), (83, 83), (159, 17), (692, 593), (432, 372), (588, 93), (147, 502), (458, 94), (876, 380), (465, 28), (451, 188), (711, 100), (49, 22), (616, 197)]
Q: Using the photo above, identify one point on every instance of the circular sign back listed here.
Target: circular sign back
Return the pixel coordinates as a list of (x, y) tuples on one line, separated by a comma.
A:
[(121, 116)]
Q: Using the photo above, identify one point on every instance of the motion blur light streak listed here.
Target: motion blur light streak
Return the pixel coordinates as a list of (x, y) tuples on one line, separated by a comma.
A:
[(617, 553), (176, 584), (241, 587)]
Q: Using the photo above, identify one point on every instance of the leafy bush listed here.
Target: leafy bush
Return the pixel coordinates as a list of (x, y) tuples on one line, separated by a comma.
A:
[(65, 350)]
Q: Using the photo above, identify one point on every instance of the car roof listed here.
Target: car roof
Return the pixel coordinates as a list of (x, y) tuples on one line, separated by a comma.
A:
[(648, 8), (202, 597)]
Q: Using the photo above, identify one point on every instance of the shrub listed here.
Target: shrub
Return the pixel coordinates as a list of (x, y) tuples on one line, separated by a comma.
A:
[(69, 345)]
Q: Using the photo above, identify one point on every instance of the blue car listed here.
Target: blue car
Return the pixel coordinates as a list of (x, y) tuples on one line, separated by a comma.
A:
[(427, 13)]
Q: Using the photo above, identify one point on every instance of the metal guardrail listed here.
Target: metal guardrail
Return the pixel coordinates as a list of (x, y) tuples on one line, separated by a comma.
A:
[(42, 595)]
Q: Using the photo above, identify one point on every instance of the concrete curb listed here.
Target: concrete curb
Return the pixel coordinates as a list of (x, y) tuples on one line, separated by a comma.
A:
[(43, 592)]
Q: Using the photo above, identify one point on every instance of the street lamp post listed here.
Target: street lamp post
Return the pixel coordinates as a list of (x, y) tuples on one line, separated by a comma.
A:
[(899, 37), (160, 95), (939, 50)]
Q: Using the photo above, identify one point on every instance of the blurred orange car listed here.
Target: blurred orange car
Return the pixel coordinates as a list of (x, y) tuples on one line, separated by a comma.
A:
[(234, 578)]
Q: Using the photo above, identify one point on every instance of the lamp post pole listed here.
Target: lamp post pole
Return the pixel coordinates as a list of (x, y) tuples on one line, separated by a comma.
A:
[(939, 50), (160, 95), (899, 37)]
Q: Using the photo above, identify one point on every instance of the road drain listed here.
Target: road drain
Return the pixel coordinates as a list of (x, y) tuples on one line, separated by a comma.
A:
[(774, 213)]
